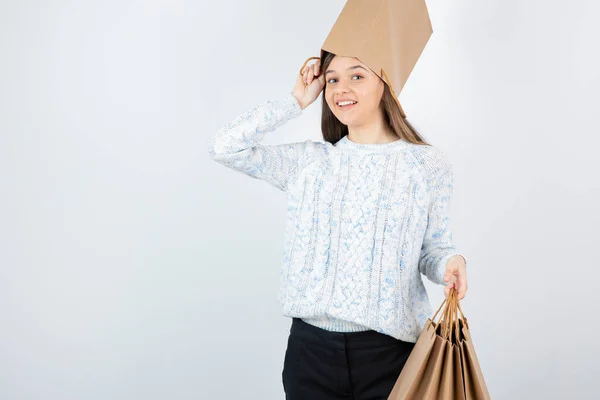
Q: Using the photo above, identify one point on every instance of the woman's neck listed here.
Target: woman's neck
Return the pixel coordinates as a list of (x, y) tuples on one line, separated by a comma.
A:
[(375, 132)]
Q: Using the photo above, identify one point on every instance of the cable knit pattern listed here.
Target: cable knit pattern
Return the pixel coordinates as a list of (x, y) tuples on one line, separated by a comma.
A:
[(364, 222)]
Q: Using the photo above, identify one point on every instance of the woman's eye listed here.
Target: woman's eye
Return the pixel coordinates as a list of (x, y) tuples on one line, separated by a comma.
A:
[(332, 79)]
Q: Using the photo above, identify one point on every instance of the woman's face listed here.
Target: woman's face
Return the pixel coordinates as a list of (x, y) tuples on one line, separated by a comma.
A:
[(347, 78)]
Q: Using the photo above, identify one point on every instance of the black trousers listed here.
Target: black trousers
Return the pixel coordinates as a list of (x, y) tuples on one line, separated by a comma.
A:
[(324, 365)]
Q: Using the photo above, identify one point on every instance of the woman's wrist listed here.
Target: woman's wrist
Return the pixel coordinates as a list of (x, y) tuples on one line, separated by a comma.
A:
[(458, 259), (300, 102)]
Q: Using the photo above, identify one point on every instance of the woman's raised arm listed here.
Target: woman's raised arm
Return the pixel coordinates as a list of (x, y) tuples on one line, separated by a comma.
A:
[(237, 144)]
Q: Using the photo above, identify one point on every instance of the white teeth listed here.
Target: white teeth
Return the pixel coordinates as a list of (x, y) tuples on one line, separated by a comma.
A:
[(343, 103)]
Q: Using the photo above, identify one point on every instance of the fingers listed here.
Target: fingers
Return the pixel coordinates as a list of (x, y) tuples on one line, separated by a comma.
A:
[(456, 279), (460, 287), (310, 72), (300, 79), (448, 275), (461, 290), (460, 294), (462, 283), (306, 74)]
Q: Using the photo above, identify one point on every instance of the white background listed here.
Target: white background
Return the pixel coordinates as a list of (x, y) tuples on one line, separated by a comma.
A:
[(134, 267)]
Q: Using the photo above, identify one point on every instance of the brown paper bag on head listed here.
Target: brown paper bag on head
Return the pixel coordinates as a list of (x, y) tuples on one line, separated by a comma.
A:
[(386, 35), (443, 364)]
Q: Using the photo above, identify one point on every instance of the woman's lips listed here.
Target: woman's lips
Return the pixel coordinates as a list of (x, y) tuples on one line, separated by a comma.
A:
[(344, 108)]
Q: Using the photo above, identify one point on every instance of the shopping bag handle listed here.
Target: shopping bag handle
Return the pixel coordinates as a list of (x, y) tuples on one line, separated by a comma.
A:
[(305, 62), (449, 314), (447, 317)]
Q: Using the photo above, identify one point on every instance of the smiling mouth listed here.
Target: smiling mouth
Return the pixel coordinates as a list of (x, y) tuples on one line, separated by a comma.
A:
[(346, 106)]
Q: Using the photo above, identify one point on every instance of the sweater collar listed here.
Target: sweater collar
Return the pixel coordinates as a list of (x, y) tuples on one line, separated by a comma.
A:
[(346, 144)]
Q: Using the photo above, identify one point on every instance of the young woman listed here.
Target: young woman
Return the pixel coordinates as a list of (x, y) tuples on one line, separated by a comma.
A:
[(368, 214)]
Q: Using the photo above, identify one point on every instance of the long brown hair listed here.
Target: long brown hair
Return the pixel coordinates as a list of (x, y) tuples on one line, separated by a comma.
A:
[(333, 130)]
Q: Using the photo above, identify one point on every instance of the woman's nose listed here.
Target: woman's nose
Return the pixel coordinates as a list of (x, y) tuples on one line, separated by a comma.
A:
[(342, 88)]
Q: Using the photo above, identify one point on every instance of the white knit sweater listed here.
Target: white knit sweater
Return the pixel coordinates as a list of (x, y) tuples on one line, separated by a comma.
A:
[(364, 221)]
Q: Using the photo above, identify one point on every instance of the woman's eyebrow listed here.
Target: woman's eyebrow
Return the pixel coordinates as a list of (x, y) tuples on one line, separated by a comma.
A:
[(349, 68)]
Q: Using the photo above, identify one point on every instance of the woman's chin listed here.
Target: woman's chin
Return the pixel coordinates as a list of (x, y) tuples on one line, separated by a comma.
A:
[(346, 120)]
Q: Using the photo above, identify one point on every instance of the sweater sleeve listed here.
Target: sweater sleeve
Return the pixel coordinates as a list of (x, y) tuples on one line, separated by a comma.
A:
[(437, 246), (237, 144)]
